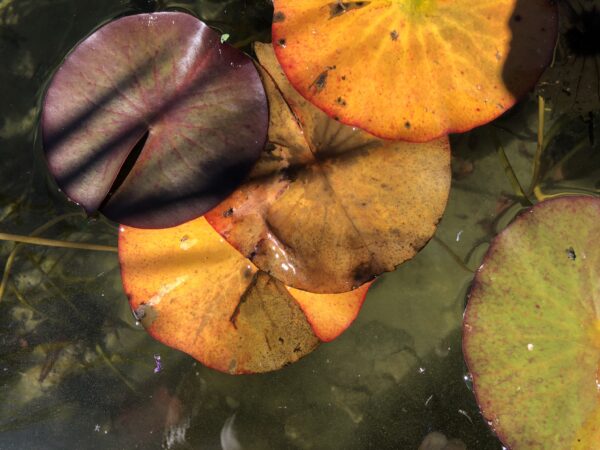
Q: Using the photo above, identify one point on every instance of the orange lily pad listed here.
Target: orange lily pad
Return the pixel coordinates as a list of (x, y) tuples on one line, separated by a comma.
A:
[(532, 328), (328, 207), (194, 292), (414, 69)]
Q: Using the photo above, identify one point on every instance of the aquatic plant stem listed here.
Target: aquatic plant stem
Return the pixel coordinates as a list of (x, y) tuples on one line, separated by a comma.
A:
[(539, 147), (117, 372), (543, 138), (56, 243), (509, 171), (454, 256), (11, 257), (28, 305)]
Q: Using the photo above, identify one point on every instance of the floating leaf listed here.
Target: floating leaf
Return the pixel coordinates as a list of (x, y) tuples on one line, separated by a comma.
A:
[(152, 120), (328, 207), (194, 292), (414, 70), (532, 328)]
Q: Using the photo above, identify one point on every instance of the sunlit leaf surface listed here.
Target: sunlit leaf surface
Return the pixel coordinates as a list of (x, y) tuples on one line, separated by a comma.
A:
[(153, 121), (414, 69), (194, 292), (328, 207), (532, 328)]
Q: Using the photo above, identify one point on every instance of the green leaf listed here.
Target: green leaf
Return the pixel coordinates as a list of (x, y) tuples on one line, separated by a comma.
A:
[(532, 328)]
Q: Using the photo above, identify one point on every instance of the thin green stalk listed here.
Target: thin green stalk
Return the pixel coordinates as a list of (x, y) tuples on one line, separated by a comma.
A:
[(543, 139), (56, 243), (454, 256), (21, 298), (540, 143), (57, 291), (11, 257), (117, 372), (509, 171)]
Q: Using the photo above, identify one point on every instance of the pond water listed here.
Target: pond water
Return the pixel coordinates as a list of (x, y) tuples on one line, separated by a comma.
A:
[(77, 371)]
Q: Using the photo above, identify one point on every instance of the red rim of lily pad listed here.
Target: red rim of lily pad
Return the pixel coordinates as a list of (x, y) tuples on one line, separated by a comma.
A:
[(152, 121), (531, 331), (194, 292), (414, 70)]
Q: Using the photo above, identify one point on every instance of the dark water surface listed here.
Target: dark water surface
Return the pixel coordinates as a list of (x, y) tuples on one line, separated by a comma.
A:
[(76, 371)]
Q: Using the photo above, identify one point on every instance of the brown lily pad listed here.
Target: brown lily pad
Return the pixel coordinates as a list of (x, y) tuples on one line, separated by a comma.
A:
[(328, 207)]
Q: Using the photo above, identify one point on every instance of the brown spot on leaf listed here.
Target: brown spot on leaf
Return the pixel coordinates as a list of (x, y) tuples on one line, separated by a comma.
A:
[(278, 17), (362, 274), (394, 35), (338, 8), (320, 82)]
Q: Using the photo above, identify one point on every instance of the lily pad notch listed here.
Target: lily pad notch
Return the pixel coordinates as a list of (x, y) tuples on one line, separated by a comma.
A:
[(152, 120)]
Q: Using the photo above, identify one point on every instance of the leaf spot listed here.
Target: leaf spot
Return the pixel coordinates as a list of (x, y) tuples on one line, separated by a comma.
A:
[(321, 81), (278, 17), (338, 8)]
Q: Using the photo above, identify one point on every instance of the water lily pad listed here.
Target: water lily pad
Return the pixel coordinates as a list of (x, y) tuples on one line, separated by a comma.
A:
[(414, 69), (193, 291), (532, 328), (152, 120), (328, 207)]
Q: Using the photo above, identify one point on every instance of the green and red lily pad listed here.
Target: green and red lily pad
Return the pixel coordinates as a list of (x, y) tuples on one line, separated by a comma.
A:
[(152, 120), (531, 335), (414, 69), (194, 292), (328, 207)]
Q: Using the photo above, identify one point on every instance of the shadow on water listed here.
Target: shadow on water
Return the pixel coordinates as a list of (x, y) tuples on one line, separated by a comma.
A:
[(572, 84), (534, 28)]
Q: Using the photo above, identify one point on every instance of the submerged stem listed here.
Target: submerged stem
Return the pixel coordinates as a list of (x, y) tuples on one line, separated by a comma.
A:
[(454, 256), (11, 257), (117, 372), (539, 147), (56, 243), (31, 239), (509, 171)]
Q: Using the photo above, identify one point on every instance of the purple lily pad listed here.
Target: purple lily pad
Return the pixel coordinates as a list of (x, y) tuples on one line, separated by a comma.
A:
[(153, 121)]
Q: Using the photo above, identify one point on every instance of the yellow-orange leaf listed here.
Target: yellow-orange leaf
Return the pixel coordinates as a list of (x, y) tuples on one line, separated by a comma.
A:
[(328, 207), (330, 314), (414, 69), (194, 292)]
